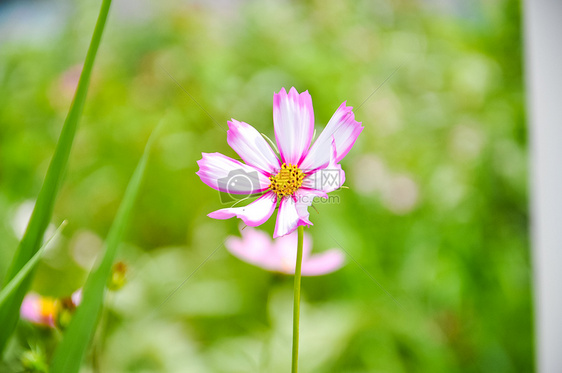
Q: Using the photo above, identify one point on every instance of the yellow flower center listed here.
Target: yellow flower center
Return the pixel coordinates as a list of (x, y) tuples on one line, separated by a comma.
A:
[(287, 181), (47, 308)]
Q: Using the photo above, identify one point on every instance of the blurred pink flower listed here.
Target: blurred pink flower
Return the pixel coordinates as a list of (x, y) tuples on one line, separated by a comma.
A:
[(76, 297), (46, 310), (279, 255), (304, 171), (39, 310), (62, 89)]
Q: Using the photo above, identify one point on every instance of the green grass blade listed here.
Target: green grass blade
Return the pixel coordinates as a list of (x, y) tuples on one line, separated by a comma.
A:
[(26, 269), (70, 352), (41, 216)]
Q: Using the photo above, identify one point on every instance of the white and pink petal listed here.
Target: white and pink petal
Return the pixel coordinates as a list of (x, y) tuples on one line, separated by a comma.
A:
[(288, 218), (329, 178), (293, 120), (304, 198), (250, 145), (254, 214), (344, 128), (231, 176)]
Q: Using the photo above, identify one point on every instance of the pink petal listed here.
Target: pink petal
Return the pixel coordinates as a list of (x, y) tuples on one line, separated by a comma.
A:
[(329, 178), (256, 213), (252, 147), (323, 263), (288, 218), (231, 176), (30, 308), (293, 119), (255, 247), (76, 297), (344, 128), (304, 198), (285, 247)]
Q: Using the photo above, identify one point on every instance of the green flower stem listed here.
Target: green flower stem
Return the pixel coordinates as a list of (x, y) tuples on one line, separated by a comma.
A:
[(296, 308)]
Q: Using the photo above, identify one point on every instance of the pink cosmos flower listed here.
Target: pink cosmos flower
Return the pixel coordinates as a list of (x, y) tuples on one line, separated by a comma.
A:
[(39, 310), (302, 172), (46, 310), (279, 255)]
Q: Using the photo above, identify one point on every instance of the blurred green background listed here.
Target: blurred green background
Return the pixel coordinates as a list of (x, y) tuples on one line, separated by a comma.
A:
[(435, 220)]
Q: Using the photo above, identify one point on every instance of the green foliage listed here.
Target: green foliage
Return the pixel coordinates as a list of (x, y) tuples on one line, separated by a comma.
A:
[(12, 286), (69, 354), (42, 212)]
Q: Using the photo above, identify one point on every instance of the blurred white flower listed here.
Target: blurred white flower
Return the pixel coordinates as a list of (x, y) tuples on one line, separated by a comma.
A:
[(371, 177), (466, 142), (369, 174), (402, 194), (85, 247), (388, 111), (21, 217)]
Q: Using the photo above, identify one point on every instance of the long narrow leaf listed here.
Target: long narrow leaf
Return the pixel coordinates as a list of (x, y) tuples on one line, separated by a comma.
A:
[(70, 352), (41, 216), (26, 269)]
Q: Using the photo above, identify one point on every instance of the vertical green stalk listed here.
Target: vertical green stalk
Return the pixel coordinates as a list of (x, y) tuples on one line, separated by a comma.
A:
[(41, 216), (70, 352), (297, 300)]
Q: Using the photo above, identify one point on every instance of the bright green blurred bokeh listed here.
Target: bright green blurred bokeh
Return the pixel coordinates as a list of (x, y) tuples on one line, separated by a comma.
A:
[(435, 220)]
